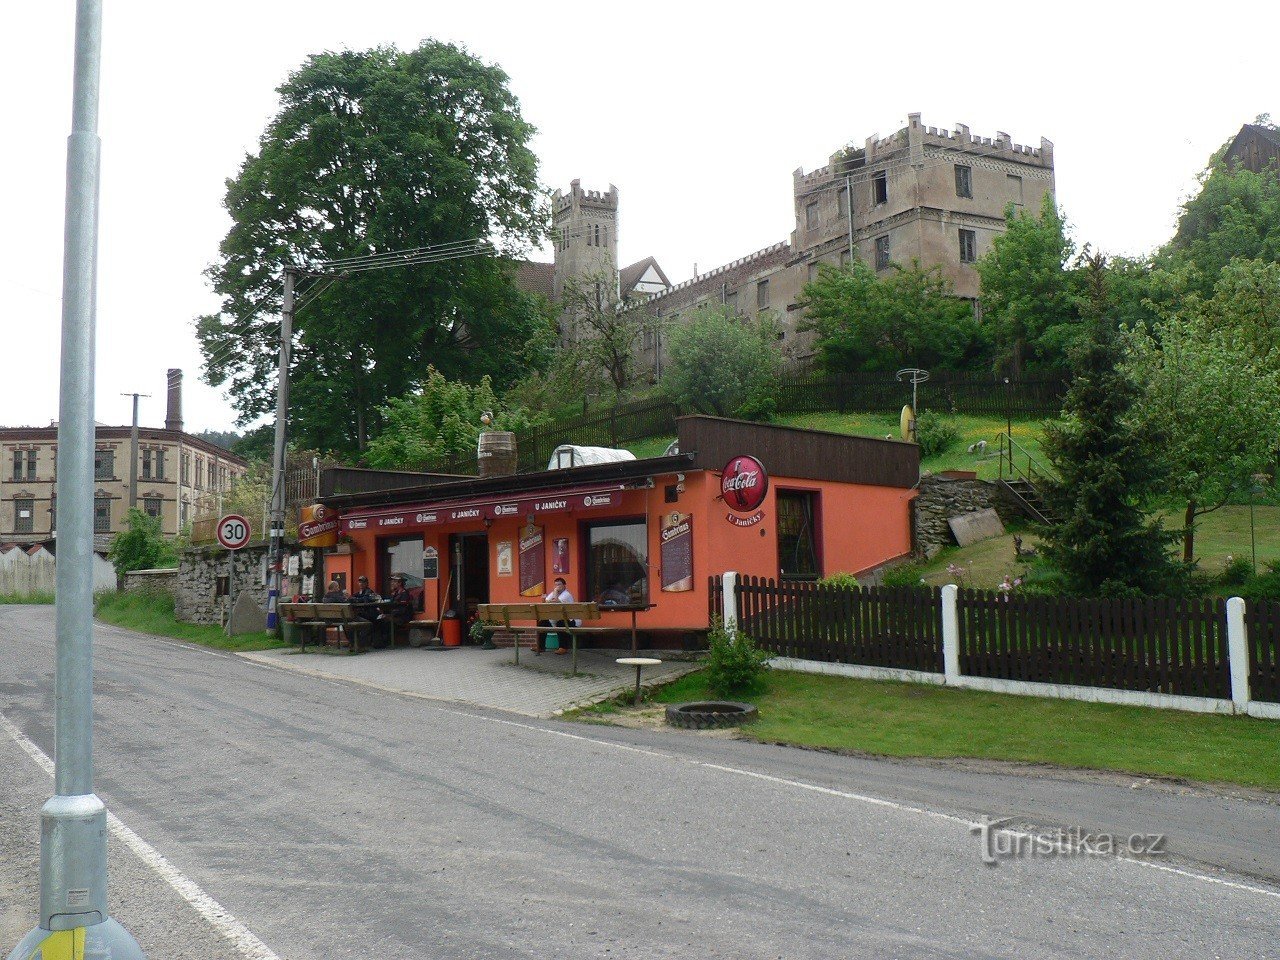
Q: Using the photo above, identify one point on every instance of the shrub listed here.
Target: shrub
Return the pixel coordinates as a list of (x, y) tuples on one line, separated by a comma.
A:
[(1265, 586), (1236, 573), (935, 434), (845, 581), (735, 666), (907, 575)]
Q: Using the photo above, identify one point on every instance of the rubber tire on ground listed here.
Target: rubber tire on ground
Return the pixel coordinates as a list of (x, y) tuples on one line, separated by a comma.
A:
[(679, 715)]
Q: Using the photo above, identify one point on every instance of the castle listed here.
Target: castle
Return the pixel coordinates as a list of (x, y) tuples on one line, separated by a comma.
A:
[(933, 195)]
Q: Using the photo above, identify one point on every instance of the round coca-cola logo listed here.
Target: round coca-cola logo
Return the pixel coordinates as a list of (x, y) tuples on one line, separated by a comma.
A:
[(743, 484)]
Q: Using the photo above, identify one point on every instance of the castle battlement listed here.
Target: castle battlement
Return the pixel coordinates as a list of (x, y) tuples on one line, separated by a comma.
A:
[(783, 245), (607, 199)]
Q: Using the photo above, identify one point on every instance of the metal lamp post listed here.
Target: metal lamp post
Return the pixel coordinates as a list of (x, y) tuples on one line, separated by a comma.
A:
[(74, 922)]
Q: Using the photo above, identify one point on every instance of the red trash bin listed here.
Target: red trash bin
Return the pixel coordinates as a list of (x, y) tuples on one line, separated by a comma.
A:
[(451, 631)]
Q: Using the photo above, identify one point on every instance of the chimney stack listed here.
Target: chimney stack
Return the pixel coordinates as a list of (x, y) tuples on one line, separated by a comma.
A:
[(173, 419)]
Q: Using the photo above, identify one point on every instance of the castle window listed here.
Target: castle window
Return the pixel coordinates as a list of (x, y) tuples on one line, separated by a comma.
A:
[(964, 181), (842, 201), (597, 234), (811, 215), (880, 188), (882, 252), (968, 246), (731, 302), (762, 294), (24, 516), (1015, 188)]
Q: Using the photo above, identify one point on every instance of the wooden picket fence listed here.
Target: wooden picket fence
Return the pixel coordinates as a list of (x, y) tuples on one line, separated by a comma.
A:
[(877, 626), (1262, 621), (1155, 644)]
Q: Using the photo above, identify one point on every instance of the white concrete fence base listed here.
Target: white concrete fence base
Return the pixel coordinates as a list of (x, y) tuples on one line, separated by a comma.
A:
[(1237, 655)]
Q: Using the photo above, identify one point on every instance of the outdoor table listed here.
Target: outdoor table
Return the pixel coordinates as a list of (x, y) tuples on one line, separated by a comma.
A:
[(639, 663), (495, 615), (634, 608)]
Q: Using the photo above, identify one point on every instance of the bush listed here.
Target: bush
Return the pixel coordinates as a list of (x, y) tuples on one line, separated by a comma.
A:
[(735, 666), (845, 581), (142, 546), (906, 575), (935, 434), (1264, 586), (1236, 573)]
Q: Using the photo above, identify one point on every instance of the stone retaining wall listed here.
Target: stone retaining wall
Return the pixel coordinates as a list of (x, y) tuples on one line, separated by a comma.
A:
[(942, 498), (159, 581), (195, 591)]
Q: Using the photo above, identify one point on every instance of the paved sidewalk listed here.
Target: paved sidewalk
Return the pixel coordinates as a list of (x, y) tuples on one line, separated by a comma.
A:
[(539, 686)]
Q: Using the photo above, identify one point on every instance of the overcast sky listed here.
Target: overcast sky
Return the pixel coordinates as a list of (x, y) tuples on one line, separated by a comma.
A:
[(697, 111)]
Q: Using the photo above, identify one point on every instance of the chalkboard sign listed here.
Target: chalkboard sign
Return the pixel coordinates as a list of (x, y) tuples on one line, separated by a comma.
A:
[(430, 564), (677, 552)]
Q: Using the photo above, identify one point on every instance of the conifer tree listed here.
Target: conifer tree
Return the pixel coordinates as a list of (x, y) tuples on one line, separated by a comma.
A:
[(1101, 541)]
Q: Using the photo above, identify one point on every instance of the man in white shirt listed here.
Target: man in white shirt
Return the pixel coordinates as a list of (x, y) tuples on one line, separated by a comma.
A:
[(559, 594)]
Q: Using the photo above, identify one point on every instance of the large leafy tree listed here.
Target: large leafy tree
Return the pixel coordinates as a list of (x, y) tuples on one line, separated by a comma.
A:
[(1028, 295), (601, 330), (1211, 401), (1101, 540), (1234, 215), (370, 152), (723, 364), (909, 318), (440, 420)]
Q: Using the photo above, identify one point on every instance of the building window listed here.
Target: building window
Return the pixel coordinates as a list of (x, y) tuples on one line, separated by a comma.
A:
[(618, 561), (811, 215), (17, 464), (24, 516), (101, 515), (184, 509), (146, 464), (968, 246), (842, 201), (199, 473), (1015, 188), (151, 506), (797, 536), (762, 294), (158, 456), (882, 252), (104, 465), (880, 188), (53, 512), (964, 181), (184, 468)]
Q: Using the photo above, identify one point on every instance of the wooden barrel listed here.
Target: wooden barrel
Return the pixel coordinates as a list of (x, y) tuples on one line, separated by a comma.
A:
[(496, 453)]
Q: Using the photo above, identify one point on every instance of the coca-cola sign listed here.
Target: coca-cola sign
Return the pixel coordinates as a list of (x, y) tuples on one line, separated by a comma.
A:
[(743, 484)]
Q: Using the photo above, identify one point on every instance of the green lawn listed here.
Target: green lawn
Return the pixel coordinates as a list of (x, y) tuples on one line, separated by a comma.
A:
[(150, 612), (911, 720), (16, 598)]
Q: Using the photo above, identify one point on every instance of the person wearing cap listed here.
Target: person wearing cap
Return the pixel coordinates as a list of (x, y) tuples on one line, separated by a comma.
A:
[(401, 609), (559, 594), (364, 595)]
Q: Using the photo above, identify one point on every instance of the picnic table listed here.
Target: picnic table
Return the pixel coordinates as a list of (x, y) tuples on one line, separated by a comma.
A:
[(322, 616), (493, 616)]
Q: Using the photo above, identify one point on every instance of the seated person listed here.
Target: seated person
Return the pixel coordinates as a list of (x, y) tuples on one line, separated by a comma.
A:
[(401, 610), (615, 596), (559, 594), (364, 595), (335, 593)]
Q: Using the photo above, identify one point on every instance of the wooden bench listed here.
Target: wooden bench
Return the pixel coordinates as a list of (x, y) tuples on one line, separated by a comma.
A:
[(322, 616), (499, 615)]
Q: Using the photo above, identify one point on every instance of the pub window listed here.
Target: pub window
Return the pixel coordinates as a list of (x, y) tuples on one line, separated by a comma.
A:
[(618, 562), (880, 188), (101, 515), (104, 465), (882, 252), (17, 464), (968, 246), (24, 516), (151, 506), (964, 180), (797, 537), (762, 294), (811, 215)]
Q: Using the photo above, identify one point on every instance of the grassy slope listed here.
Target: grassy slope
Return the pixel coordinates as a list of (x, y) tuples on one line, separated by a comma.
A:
[(909, 720), (152, 613), (11, 598)]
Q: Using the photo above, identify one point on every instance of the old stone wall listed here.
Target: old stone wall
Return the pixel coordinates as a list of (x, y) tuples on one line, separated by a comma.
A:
[(161, 581), (195, 591), (942, 498)]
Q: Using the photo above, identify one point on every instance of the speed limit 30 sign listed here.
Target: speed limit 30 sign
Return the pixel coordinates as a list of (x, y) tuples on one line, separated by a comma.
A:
[(233, 531)]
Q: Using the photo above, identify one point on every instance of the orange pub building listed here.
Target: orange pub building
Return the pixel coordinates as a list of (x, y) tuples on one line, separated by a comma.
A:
[(631, 534)]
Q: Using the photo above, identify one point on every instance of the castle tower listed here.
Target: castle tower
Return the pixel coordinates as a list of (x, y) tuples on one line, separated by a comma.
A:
[(585, 233)]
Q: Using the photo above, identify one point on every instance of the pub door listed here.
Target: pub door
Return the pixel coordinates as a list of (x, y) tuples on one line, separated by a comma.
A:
[(469, 561)]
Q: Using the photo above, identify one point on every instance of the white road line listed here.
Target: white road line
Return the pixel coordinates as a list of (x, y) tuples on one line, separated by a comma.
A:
[(218, 917), (857, 797)]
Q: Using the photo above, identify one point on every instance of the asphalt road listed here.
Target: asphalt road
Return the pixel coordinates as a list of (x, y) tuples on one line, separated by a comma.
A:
[(337, 821)]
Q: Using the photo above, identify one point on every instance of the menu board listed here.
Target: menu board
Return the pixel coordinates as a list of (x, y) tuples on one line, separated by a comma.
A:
[(533, 562), (677, 552)]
